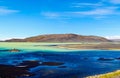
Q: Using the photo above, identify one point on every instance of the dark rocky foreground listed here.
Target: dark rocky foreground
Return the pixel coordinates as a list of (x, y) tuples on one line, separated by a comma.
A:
[(22, 69), (10, 71)]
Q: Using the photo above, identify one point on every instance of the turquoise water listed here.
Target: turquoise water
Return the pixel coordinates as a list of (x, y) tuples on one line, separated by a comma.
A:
[(78, 64)]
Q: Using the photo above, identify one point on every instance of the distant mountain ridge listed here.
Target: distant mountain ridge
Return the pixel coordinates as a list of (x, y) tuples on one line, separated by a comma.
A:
[(61, 38)]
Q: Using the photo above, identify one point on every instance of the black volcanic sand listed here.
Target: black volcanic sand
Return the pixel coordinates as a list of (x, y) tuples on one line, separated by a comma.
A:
[(105, 59), (28, 64), (31, 64), (118, 58), (52, 63), (62, 67), (22, 69), (10, 71)]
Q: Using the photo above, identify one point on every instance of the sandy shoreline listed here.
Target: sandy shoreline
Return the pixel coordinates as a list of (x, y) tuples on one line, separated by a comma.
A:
[(114, 74)]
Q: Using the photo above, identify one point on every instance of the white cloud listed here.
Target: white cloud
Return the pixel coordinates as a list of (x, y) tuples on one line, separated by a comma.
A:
[(115, 1), (86, 4), (8, 38), (98, 11), (56, 15), (5, 11), (113, 37), (94, 10)]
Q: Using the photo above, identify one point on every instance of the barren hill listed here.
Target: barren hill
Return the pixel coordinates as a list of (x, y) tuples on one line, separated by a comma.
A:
[(61, 38)]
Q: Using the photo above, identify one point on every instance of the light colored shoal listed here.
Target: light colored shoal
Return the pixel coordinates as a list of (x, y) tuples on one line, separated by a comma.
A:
[(115, 74), (63, 46), (33, 46)]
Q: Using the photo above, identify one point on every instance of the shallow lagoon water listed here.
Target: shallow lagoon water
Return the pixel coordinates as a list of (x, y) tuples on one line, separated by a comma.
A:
[(77, 64)]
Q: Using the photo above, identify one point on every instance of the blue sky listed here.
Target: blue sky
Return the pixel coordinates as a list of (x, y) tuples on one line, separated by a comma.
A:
[(24, 18)]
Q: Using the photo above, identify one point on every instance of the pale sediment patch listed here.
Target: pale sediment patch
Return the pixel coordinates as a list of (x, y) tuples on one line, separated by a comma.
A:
[(27, 46), (75, 46)]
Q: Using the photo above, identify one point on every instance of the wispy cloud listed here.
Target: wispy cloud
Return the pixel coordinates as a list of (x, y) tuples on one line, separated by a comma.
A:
[(98, 11), (101, 9), (86, 5), (6, 11), (95, 13), (56, 15), (115, 1)]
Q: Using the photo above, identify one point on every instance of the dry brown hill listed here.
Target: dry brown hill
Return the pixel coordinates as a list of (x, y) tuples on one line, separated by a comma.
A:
[(61, 38)]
